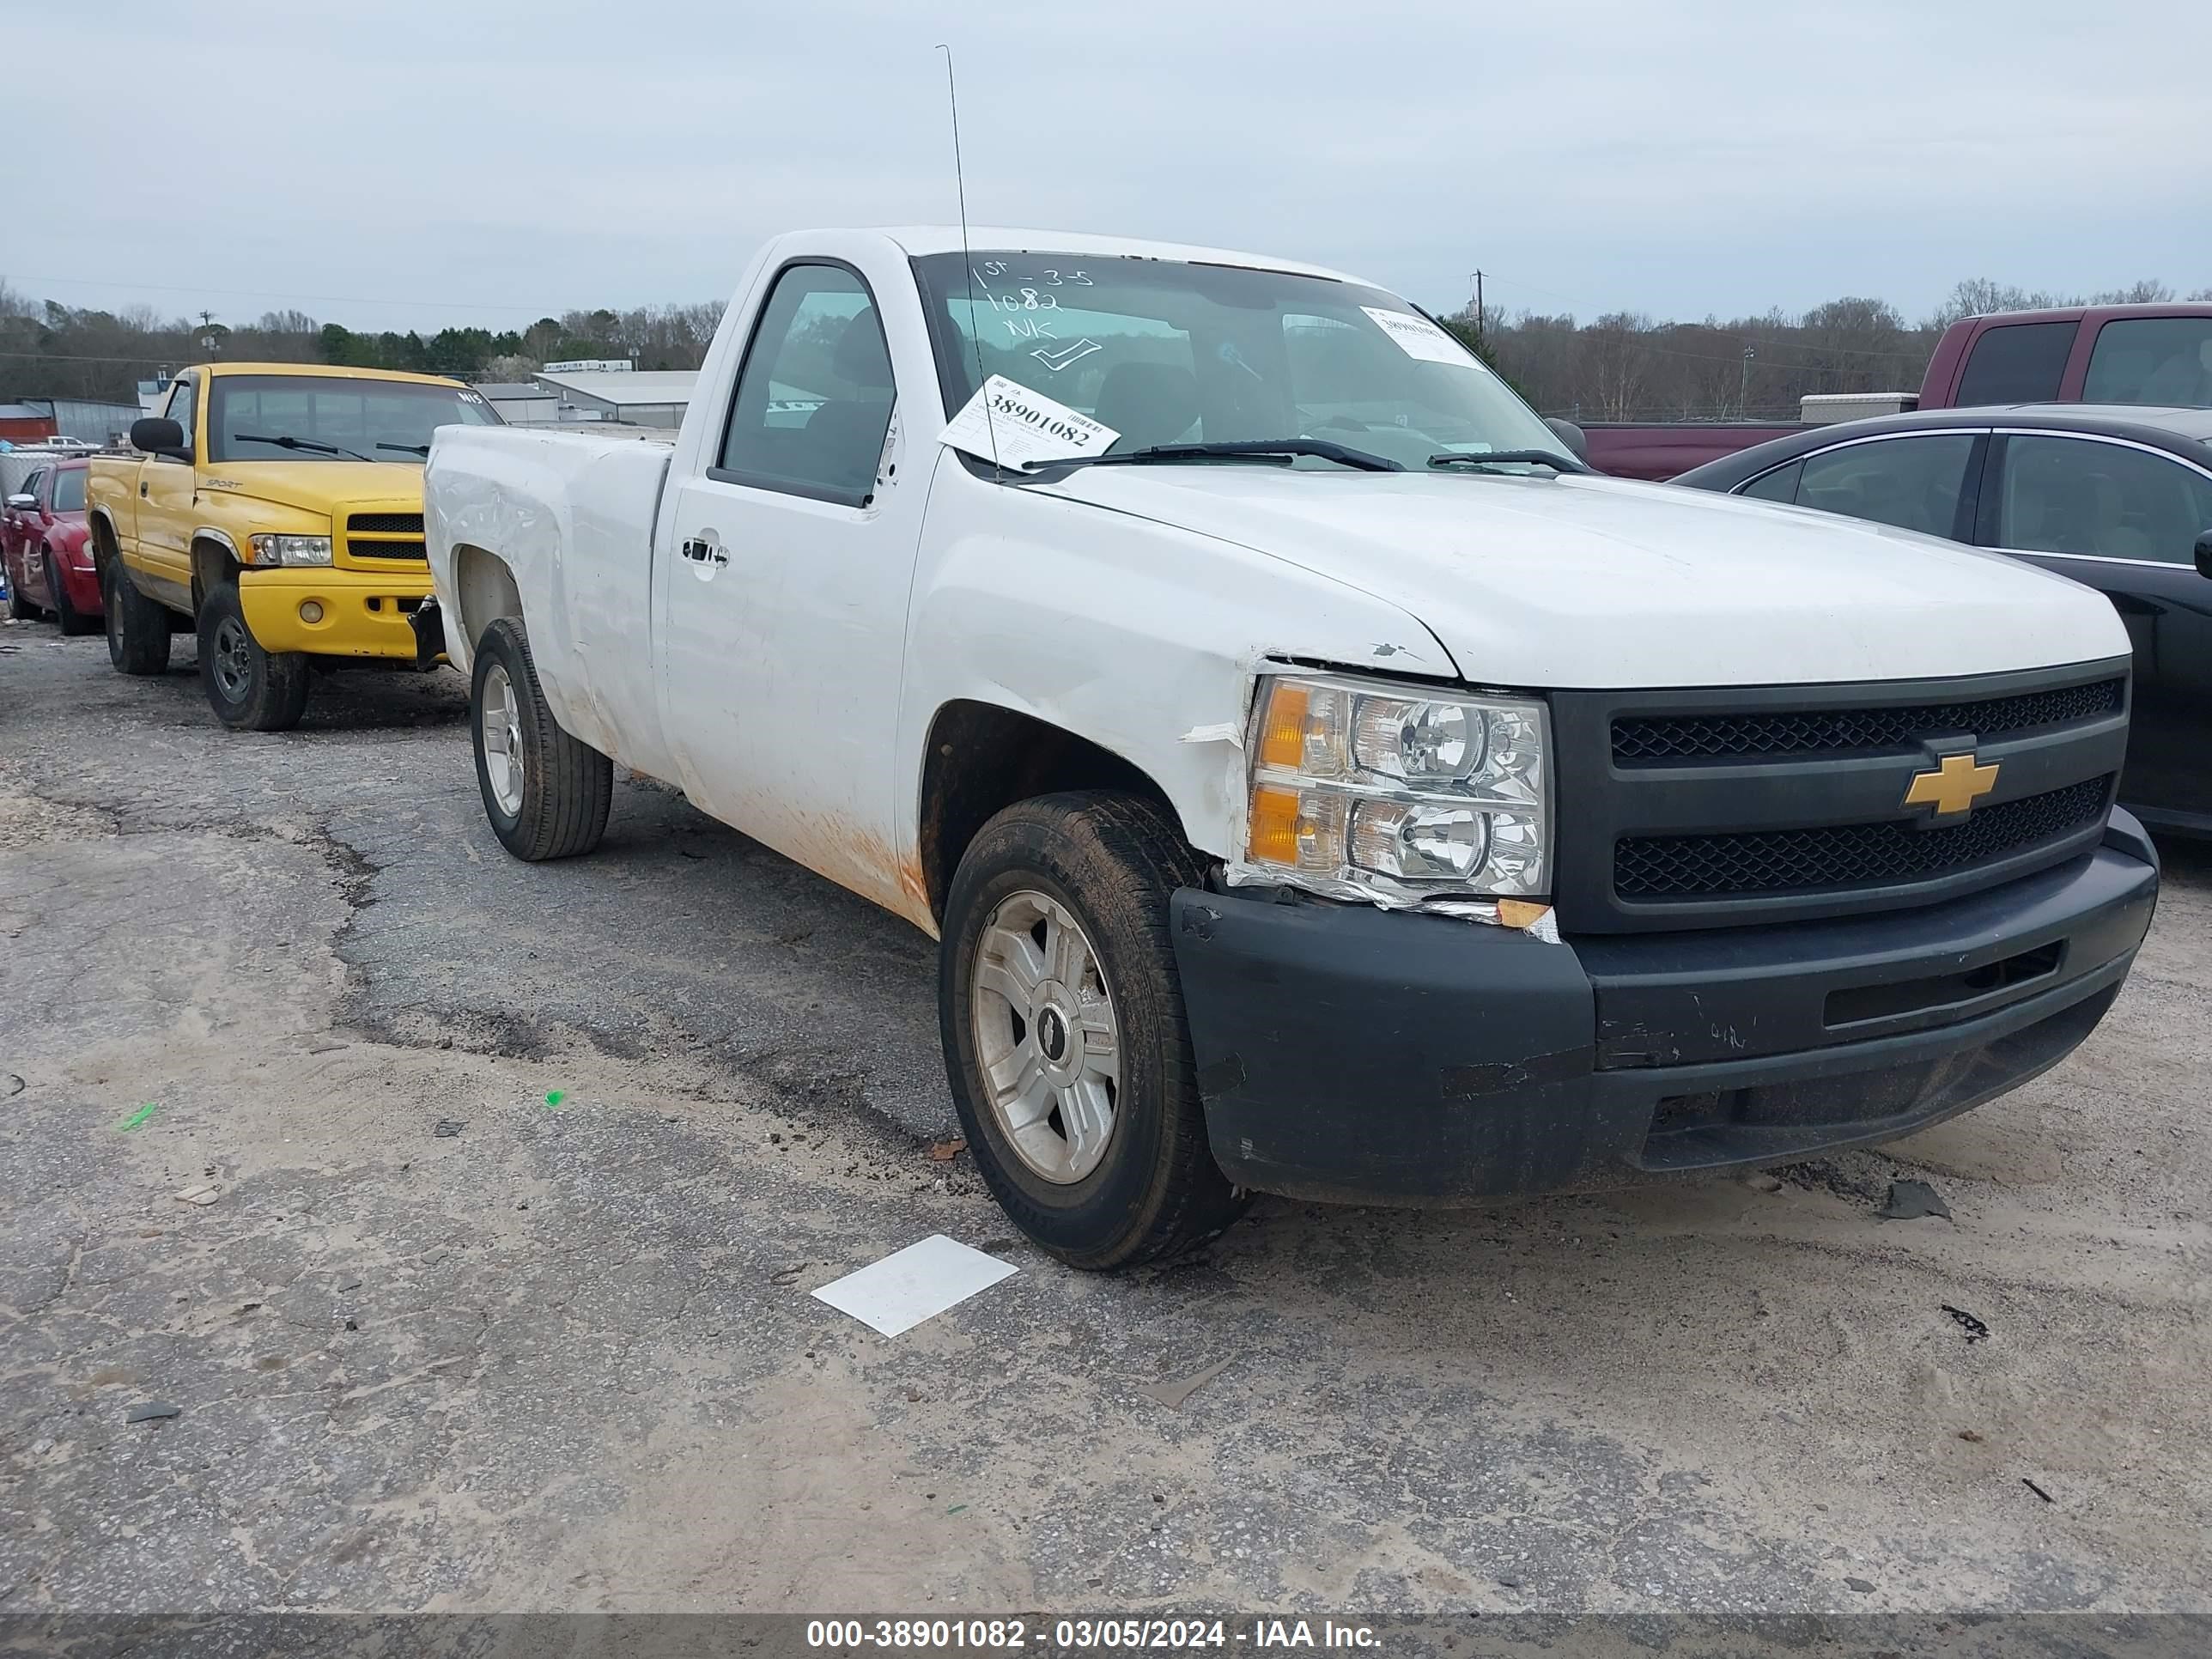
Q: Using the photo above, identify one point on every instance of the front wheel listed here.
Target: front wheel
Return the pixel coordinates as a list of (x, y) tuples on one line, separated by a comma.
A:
[(73, 621), (18, 608), (250, 690), (545, 792), (1065, 1039), (137, 629)]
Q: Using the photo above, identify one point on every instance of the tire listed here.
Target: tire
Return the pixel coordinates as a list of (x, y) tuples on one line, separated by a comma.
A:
[(250, 690), (137, 629), (73, 622), (1107, 863), (18, 608), (557, 807)]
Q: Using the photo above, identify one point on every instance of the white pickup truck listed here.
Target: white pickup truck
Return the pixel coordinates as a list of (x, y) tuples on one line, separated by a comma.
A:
[(1319, 782)]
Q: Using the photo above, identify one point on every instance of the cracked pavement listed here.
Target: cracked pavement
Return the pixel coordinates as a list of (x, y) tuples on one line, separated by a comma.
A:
[(565, 1359)]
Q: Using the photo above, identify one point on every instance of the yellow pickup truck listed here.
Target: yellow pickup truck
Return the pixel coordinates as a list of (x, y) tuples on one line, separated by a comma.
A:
[(276, 509)]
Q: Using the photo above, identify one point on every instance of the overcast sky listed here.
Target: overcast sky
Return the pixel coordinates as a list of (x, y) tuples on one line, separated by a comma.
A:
[(401, 163)]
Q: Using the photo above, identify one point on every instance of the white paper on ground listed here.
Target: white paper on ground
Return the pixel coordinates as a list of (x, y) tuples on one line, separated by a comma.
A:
[(1007, 423), (1417, 337), (917, 1282)]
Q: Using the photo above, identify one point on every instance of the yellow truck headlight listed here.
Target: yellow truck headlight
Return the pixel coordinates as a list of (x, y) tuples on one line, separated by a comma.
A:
[(1360, 789), (291, 549)]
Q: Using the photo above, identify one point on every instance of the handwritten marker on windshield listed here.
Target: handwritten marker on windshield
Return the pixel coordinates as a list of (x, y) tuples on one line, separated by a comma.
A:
[(138, 1117)]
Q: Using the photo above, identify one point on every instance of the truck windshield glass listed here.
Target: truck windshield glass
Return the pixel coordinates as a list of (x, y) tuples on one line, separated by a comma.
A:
[(250, 415), (1168, 352), (69, 491)]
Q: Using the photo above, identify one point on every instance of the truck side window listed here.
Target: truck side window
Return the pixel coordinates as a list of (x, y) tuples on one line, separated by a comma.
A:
[(1913, 483), (182, 399), (814, 398), (2109, 501), (2017, 363), (2164, 361)]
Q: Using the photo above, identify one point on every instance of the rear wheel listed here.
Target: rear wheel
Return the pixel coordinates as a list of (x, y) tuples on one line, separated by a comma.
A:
[(545, 792), (18, 608), (137, 629), (250, 690), (73, 621), (1064, 1034)]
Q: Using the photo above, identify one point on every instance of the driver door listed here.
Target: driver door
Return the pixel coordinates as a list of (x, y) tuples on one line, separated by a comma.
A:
[(167, 488), (785, 618)]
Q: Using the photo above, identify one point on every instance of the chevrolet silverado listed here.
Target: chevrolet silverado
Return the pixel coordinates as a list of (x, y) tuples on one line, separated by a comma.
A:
[(1316, 780)]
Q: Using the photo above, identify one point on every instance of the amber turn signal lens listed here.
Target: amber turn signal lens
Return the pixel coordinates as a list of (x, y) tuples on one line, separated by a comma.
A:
[(1274, 835), (1283, 727)]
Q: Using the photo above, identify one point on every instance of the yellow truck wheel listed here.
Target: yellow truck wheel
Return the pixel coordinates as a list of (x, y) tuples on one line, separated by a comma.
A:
[(250, 690), (137, 629)]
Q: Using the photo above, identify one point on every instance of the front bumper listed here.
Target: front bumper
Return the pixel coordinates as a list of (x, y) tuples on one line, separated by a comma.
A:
[(364, 613), (1351, 1053)]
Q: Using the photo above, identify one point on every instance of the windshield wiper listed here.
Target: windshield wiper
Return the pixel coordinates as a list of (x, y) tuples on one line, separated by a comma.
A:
[(1319, 448), (1508, 456), (289, 442), (423, 450)]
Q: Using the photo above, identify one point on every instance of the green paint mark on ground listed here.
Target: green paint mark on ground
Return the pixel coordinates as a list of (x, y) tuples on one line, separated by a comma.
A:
[(956, 1509), (553, 1099), (138, 1117)]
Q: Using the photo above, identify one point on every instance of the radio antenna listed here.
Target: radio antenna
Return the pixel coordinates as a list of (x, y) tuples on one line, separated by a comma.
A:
[(966, 254)]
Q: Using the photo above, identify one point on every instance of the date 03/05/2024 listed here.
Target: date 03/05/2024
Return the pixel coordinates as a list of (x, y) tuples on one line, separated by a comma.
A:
[(989, 1635)]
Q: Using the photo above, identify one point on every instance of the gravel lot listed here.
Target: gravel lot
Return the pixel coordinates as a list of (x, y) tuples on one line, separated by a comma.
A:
[(565, 1357)]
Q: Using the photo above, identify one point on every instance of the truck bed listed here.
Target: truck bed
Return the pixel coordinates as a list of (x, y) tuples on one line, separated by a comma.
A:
[(571, 515)]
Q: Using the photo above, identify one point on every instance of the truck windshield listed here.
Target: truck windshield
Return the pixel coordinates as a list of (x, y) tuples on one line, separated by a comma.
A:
[(1170, 352), (251, 416)]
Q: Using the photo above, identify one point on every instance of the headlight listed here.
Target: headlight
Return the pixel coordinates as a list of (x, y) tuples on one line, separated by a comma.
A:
[(291, 549), (1358, 788)]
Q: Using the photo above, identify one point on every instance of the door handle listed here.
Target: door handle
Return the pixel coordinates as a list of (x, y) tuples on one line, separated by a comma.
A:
[(705, 553), (141, 486)]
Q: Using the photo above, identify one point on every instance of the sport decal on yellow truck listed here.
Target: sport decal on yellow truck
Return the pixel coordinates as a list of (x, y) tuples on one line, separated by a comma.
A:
[(276, 510)]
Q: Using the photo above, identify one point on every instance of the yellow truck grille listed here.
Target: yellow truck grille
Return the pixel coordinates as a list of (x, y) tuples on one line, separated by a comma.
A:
[(385, 536)]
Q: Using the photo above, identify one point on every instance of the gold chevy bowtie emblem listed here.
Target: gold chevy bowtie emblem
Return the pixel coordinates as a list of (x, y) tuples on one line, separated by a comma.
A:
[(1953, 786)]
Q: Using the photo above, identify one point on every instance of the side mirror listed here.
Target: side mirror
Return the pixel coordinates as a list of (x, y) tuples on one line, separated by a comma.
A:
[(2204, 553), (158, 436), (1571, 435), (30, 504)]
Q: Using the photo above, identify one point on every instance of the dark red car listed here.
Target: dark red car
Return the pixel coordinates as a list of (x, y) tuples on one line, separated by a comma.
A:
[(47, 548)]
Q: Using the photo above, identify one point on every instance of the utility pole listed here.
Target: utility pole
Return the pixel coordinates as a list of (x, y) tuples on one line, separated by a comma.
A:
[(1743, 387), (1477, 277)]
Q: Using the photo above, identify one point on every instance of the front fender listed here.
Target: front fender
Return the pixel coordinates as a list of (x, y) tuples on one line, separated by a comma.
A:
[(1143, 638)]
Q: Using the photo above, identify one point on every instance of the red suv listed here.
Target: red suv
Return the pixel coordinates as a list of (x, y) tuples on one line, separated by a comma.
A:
[(47, 548)]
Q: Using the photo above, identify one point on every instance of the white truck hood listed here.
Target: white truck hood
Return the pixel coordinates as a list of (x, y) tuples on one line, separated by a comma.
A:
[(1602, 583)]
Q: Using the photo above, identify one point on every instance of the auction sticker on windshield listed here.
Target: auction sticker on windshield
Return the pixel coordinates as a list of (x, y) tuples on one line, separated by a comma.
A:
[(1008, 424), (1417, 337)]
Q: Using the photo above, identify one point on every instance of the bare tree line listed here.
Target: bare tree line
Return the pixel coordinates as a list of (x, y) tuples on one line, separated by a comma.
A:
[(1619, 367), (48, 349), (1625, 366)]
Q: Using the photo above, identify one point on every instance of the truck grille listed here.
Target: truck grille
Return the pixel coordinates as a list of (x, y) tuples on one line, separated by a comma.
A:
[(386, 536), (1842, 856), (1831, 730), (1693, 807), (385, 524)]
